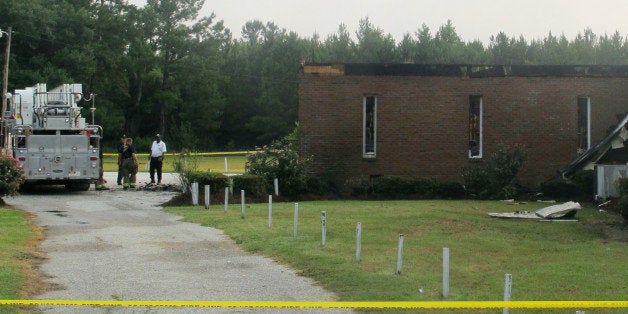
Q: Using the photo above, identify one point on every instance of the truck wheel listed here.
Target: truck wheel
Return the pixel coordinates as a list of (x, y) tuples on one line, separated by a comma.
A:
[(77, 186)]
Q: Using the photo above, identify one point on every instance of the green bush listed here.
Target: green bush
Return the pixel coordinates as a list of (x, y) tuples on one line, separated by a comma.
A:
[(495, 178), (580, 186), (253, 185), (217, 181), (559, 188), (401, 187), (622, 186), (623, 206), (280, 160), (11, 176), (360, 187)]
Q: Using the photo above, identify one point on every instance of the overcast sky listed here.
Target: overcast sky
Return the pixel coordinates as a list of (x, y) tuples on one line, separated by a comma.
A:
[(473, 19)]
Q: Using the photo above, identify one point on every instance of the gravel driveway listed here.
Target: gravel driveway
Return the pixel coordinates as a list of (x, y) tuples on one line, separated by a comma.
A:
[(119, 245)]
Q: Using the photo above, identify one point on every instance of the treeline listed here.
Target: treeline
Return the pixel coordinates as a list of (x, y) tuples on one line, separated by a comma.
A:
[(163, 68)]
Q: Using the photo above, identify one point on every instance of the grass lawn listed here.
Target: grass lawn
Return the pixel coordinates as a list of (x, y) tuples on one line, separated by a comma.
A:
[(208, 161), (547, 260), (17, 241)]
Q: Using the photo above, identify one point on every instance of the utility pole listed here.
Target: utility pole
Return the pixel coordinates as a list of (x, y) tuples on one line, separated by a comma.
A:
[(5, 82)]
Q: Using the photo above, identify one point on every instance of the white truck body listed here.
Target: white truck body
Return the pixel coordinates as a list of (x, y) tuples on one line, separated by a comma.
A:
[(50, 139)]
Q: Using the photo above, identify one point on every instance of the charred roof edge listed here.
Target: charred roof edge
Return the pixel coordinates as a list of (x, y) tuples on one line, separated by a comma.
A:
[(463, 70)]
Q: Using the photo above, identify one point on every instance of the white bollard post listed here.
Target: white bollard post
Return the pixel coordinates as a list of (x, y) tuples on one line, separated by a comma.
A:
[(226, 167), (358, 242), (296, 219), (399, 253), (323, 228), (445, 272), (207, 196), (270, 211), (242, 202), (226, 198), (194, 193), (507, 291), (276, 183)]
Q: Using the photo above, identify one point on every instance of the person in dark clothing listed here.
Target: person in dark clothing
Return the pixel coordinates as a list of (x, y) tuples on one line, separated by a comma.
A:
[(120, 144), (127, 159)]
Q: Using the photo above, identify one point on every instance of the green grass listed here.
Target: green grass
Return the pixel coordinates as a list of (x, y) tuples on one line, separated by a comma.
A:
[(15, 232), (214, 162), (548, 261)]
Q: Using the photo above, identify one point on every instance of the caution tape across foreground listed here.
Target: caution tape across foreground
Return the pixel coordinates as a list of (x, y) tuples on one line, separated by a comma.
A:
[(334, 304)]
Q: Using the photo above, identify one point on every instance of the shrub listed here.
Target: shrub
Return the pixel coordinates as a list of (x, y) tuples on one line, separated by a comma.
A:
[(497, 177), (559, 188), (414, 188), (358, 186), (580, 186), (280, 160), (253, 185), (11, 176), (623, 206), (622, 186), (217, 181), (448, 190)]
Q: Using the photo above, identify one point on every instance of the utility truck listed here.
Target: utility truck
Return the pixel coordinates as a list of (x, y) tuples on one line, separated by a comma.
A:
[(46, 133)]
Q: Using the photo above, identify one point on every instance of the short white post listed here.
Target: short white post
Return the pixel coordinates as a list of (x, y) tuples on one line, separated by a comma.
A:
[(207, 195), (358, 242), (226, 198), (295, 221), (194, 193), (226, 167), (399, 253), (445, 272), (323, 228), (276, 183), (270, 211), (242, 202), (507, 291), (579, 312)]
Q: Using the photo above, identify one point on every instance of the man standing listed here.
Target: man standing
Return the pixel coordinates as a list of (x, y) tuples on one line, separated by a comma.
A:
[(128, 164), (157, 152), (119, 148)]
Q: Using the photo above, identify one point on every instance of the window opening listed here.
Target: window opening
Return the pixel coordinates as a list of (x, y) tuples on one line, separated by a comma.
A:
[(584, 124), (370, 126), (475, 127)]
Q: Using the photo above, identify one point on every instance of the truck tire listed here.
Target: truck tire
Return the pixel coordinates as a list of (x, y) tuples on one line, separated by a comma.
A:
[(78, 185)]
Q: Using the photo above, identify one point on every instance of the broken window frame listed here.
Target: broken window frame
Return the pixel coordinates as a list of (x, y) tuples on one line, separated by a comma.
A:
[(583, 123), (369, 126), (475, 126)]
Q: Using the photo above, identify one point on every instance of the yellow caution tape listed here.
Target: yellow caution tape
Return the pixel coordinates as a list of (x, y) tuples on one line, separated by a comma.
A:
[(336, 304)]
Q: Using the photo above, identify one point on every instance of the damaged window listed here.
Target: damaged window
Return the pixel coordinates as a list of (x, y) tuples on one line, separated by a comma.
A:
[(584, 124), (369, 127), (475, 127)]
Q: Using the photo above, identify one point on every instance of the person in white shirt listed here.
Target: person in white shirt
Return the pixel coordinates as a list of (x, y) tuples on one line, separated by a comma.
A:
[(157, 153)]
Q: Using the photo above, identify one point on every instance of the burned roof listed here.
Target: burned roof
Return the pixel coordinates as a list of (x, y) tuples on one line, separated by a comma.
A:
[(603, 150), (462, 70)]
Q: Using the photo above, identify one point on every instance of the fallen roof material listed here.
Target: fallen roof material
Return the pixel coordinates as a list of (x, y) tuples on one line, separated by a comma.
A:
[(596, 152), (559, 211)]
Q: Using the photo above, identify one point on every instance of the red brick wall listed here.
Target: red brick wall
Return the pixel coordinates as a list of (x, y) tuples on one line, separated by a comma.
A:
[(422, 122)]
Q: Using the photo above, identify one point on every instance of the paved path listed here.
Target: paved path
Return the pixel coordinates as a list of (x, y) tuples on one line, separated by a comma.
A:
[(119, 245)]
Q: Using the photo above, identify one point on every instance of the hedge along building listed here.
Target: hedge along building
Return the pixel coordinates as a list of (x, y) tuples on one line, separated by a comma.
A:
[(361, 121)]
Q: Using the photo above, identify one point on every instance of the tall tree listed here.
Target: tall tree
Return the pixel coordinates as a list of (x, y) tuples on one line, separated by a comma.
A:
[(170, 38), (373, 46), (339, 47)]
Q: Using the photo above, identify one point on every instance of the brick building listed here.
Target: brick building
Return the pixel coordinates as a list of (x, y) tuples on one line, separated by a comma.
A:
[(431, 121)]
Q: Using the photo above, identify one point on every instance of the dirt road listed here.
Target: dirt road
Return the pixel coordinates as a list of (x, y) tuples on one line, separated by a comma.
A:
[(119, 245)]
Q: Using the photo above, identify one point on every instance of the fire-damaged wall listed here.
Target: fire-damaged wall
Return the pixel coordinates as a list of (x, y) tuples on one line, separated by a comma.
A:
[(431, 121)]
